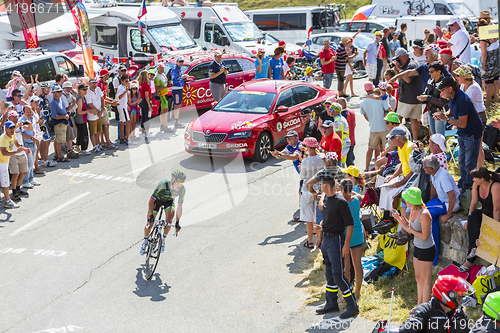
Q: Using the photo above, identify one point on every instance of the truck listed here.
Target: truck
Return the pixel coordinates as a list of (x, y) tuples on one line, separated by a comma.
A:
[(400, 8)]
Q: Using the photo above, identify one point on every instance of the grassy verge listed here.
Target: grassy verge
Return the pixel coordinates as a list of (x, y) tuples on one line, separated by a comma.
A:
[(375, 299)]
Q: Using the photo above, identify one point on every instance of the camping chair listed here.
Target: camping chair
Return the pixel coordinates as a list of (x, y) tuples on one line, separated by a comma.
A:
[(452, 145)]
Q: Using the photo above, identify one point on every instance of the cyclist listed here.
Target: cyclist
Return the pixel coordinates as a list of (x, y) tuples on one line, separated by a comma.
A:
[(490, 321), (164, 195)]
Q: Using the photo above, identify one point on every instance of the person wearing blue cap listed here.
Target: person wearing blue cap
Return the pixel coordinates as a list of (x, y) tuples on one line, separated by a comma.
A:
[(7, 143)]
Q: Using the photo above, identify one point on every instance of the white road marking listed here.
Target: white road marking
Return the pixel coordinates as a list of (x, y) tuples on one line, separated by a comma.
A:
[(44, 216)]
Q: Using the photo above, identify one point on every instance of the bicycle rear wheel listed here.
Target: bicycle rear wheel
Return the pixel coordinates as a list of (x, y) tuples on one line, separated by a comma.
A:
[(153, 256)]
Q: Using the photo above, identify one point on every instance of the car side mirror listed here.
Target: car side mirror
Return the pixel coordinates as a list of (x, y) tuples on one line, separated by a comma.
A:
[(224, 41), (190, 78), (281, 109)]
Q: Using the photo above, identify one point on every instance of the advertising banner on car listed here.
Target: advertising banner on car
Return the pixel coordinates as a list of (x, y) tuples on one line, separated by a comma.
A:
[(28, 24), (82, 23)]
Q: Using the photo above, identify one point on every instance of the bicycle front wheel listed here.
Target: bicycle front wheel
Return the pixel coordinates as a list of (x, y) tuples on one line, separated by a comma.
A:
[(153, 256)]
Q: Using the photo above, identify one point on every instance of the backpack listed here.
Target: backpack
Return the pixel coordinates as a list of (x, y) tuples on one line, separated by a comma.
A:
[(476, 72)]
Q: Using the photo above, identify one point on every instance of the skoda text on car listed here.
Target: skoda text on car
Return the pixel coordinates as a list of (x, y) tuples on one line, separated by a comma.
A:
[(254, 118), (197, 94)]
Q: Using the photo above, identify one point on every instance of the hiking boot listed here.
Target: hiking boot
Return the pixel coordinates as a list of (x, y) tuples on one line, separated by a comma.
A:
[(349, 313)]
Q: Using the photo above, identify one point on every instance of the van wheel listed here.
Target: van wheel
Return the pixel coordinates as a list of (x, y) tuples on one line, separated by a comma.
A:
[(263, 147)]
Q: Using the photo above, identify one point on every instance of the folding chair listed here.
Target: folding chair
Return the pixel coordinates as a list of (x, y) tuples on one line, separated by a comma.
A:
[(452, 146)]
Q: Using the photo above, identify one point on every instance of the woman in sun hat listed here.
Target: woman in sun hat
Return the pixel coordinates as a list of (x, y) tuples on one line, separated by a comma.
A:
[(419, 225)]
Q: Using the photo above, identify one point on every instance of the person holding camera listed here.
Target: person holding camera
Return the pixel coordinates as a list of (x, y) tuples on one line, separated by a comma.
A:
[(217, 72), (262, 65)]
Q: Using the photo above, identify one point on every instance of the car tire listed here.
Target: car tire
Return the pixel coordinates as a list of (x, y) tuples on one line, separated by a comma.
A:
[(263, 147)]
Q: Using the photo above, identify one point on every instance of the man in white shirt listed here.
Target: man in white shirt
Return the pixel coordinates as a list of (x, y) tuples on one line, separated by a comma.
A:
[(459, 43), (18, 163), (418, 51), (122, 95), (95, 99)]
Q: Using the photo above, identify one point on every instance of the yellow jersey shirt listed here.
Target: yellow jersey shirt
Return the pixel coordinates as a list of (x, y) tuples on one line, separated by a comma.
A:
[(404, 157), (7, 142)]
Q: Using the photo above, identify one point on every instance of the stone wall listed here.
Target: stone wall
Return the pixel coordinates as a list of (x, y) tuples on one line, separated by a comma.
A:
[(454, 243)]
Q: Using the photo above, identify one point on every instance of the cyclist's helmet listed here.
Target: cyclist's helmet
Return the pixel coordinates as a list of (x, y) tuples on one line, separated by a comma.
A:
[(448, 288), (491, 306), (179, 175)]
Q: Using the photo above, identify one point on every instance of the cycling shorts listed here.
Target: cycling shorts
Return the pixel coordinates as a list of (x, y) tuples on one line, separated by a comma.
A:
[(169, 204)]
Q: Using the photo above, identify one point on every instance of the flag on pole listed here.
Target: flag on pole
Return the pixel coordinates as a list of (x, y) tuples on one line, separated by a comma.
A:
[(142, 10), (141, 26), (363, 13)]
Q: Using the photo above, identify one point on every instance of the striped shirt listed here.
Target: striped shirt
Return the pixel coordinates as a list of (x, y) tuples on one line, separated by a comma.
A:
[(341, 60)]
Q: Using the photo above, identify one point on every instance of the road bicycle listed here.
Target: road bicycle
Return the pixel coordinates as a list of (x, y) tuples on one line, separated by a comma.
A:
[(153, 248)]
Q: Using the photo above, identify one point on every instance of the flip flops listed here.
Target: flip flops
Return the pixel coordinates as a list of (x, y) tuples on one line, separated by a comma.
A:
[(309, 245)]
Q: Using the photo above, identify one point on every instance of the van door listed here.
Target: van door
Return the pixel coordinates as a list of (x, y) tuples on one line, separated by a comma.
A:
[(137, 39)]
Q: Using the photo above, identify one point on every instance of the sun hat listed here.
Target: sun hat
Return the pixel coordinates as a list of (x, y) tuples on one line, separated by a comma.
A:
[(152, 71), (464, 71), (57, 89), (413, 195), (352, 170), (369, 86), (392, 117), (383, 85), (331, 155), (439, 139), (484, 14), (67, 84), (345, 39), (310, 142)]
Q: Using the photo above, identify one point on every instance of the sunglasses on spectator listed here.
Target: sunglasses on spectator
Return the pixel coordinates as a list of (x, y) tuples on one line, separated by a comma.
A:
[(304, 115), (431, 71), (19, 95)]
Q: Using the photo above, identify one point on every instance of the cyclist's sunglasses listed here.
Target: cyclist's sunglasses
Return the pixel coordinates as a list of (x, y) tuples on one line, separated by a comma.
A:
[(180, 183)]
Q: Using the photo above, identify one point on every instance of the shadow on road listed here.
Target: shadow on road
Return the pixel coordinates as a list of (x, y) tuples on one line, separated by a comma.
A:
[(5, 216), (289, 237), (153, 288)]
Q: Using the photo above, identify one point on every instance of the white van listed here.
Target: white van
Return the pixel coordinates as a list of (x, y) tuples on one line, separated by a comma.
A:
[(292, 24), (398, 8), (115, 32), (417, 25), (220, 26), (478, 5)]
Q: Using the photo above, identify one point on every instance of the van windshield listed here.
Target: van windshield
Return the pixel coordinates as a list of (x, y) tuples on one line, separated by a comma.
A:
[(243, 31), (172, 35), (461, 9)]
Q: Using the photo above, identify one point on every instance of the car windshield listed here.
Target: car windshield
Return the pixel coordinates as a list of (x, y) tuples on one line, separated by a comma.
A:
[(362, 41), (169, 65), (461, 9), (270, 38), (172, 35), (246, 101), (243, 31)]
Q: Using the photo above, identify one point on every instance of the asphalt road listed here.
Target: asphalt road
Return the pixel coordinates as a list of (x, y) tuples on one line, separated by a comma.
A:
[(70, 255)]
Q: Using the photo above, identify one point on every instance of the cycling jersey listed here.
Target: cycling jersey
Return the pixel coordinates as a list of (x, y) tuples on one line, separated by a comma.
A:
[(340, 125), (164, 193)]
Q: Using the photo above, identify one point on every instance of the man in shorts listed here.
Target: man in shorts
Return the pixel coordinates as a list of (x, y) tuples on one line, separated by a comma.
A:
[(69, 101), (95, 100), (161, 86), (59, 123), (370, 57), (18, 163), (164, 195), (7, 143), (178, 78)]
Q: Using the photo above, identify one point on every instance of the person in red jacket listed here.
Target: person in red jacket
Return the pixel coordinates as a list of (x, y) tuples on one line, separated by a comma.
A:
[(330, 141)]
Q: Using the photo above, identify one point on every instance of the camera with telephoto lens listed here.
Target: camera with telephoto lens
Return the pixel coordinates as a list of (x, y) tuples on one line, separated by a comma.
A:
[(391, 64), (44, 114)]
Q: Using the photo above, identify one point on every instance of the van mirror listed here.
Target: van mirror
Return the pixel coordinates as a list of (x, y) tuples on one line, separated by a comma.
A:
[(281, 109), (142, 59), (224, 41), (81, 71)]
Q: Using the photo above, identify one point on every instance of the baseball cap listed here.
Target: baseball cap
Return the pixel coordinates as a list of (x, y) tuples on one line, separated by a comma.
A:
[(418, 43), (397, 32), (434, 47), (453, 20), (291, 133), (67, 84), (310, 142), (92, 81), (82, 86), (327, 123), (399, 52), (447, 81), (12, 113), (446, 51), (369, 86), (180, 58), (58, 88), (122, 68), (104, 72), (16, 73), (309, 70), (34, 99), (151, 71), (9, 124), (345, 39), (352, 170), (442, 44), (396, 131), (8, 105), (331, 155), (305, 110), (44, 85), (218, 53), (392, 117), (330, 100), (439, 140), (261, 49), (383, 85), (162, 65), (378, 33), (413, 195), (336, 107), (281, 43)]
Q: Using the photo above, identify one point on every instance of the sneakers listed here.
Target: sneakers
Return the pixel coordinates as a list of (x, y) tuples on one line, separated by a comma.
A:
[(143, 249), (28, 185), (349, 313), (96, 149), (11, 204), (15, 197), (162, 246), (84, 153), (178, 125), (72, 154), (35, 183), (167, 129), (49, 164)]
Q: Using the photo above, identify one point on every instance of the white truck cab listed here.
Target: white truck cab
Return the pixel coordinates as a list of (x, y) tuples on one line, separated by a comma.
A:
[(115, 32), (222, 26)]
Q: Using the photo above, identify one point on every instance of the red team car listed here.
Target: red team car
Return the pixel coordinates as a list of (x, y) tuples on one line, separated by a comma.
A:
[(254, 118)]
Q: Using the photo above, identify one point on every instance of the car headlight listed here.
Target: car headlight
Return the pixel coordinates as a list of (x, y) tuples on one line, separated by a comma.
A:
[(240, 135), (189, 130)]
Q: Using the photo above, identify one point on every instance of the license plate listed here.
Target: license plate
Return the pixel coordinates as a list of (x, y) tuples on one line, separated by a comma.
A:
[(207, 145)]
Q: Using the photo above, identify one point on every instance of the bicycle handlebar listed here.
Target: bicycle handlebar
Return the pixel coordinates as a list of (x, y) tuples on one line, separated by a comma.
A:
[(163, 223)]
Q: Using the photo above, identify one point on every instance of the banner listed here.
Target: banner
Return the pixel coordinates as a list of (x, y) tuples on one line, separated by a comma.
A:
[(489, 238), (28, 24), (82, 23)]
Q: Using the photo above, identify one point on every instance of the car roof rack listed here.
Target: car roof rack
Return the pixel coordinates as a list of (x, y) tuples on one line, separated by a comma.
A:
[(19, 54)]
